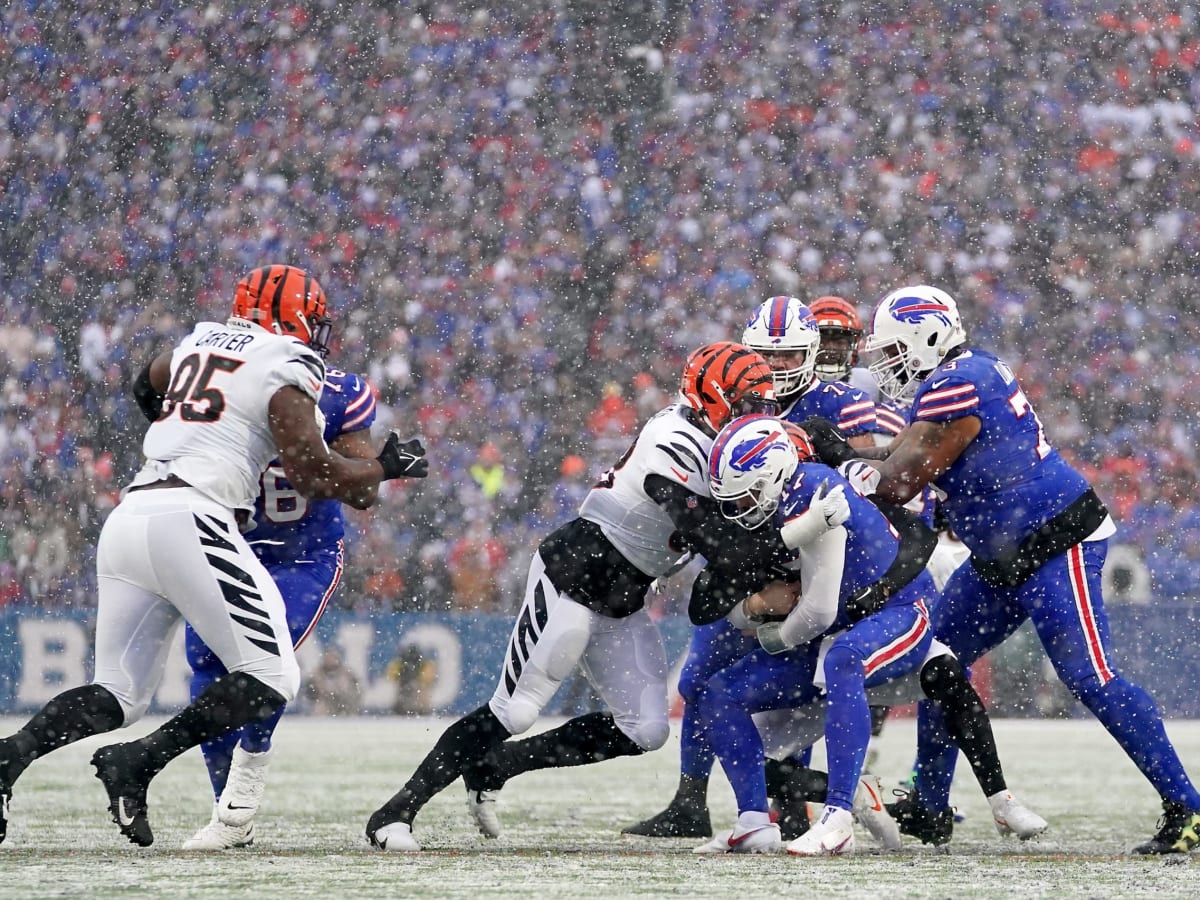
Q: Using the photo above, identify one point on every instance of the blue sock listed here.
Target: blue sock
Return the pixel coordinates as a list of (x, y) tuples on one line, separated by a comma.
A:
[(256, 736), (695, 752), (847, 724), (937, 756), (737, 744)]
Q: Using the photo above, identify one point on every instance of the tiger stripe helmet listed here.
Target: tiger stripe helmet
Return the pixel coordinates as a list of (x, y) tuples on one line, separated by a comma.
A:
[(724, 380), (285, 300), (801, 441), (841, 330)]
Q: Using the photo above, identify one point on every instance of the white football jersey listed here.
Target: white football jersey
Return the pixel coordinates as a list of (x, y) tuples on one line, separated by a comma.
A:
[(668, 445), (214, 431)]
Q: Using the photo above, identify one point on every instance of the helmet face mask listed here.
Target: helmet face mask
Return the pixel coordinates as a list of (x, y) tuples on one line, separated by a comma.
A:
[(912, 330), (784, 331), (724, 380), (751, 462), (841, 331), (285, 300)]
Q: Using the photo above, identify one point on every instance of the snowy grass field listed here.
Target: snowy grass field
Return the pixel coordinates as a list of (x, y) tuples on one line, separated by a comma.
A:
[(562, 828)]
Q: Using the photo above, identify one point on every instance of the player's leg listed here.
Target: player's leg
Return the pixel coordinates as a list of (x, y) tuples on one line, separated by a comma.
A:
[(238, 761), (881, 648), (712, 648), (547, 642), (207, 572), (1065, 603), (132, 627), (970, 618), (944, 681), (757, 682), (625, 662)]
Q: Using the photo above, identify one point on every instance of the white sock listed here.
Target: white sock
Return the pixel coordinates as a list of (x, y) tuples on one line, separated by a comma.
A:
[(753, 819)]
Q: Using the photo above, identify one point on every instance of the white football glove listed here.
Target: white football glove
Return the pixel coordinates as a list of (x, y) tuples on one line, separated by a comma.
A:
[(826, 512), (863, 476)]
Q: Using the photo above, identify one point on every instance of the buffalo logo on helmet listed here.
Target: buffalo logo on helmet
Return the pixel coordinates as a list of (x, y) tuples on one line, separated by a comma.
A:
[(914, 310)]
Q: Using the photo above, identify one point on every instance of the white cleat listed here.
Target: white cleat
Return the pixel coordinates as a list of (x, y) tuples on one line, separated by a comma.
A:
[(868, 812), (482, 807), (219, 836), (833, 835), (1014, 817), (761, 839), (244, 788), (395, 838)]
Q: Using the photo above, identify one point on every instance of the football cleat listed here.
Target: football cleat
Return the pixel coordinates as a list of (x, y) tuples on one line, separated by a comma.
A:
[(868, 811), (244, 787), (394, 838), (126, 775), (759, 839), (218, 836), (916, 820), (482, 807), (679, 820), (1014, 817), (12, 764), (831, 835), (1178, 831)]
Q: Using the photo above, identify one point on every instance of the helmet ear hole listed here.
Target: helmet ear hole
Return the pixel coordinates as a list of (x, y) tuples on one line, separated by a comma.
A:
[(933, 339)]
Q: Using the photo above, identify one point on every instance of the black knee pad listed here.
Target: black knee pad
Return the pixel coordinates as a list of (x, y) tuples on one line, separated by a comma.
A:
[(942, 677)]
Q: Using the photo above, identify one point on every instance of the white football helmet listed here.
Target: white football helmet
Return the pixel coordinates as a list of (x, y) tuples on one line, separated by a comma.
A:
[(750, 462), (784, 325), (912, 329)]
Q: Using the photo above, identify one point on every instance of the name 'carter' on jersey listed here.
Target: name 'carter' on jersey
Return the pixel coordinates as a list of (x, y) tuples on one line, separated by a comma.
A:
[(213, 431)]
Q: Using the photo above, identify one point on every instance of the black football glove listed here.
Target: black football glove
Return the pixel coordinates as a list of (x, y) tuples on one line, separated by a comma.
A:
[(832, 448), (405, 460)]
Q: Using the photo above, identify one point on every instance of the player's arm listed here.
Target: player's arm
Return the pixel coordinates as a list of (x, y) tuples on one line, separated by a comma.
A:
[(822, 564), (150, 386), (319, 473), (357, 445), (861, 441), (921, 454)]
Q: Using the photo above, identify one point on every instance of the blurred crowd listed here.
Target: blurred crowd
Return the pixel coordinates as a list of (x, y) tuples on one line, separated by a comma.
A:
[(526, 217)]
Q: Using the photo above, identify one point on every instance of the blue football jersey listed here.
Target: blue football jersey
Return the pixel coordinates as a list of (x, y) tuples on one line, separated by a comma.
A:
[(288, 526), (850, 409), (1009, 481), (871, 544)]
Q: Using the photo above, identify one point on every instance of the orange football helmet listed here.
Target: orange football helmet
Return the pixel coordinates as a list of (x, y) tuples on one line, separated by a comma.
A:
[(285, 300), (841, 333), (724, 380), (801, 441)]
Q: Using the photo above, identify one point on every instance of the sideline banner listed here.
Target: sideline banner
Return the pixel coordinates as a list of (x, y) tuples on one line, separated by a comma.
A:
[(459, 656), (460, 653)]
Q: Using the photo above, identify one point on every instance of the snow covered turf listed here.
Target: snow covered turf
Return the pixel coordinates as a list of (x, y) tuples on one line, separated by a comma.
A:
[(562, 828)]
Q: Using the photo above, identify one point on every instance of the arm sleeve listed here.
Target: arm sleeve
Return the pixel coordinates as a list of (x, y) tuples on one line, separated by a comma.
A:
[(149, 400), (822, 564), (739, 561)]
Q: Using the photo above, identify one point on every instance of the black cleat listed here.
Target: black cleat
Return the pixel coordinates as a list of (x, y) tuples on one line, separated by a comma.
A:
[(677, 820), (12, 764), (793, 818), (926, 825), (1178, 831), (123, 771)]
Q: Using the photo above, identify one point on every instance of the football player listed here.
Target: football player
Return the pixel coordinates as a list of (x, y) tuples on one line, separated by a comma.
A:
[(584, 605), (788, 336), (301, 544), (228, 399), (1037, 533), (753, 492)]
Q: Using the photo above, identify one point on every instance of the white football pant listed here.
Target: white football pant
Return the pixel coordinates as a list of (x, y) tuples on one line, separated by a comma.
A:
[(170, 554), (622, 658)]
